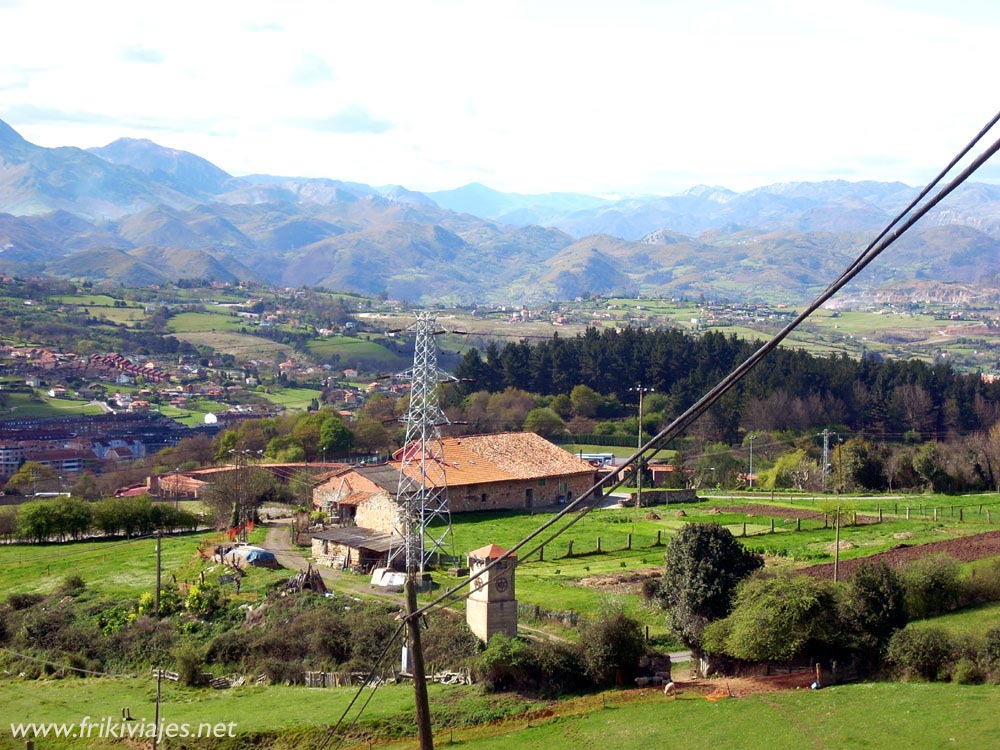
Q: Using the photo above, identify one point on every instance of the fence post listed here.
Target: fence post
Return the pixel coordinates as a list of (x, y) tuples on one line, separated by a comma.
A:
[(598, 544), (744, 528), (907, 512), (658, 537), (541, 553), (772, 525), (880, 515), (628, 545), (961, 515), (569, 549), (798, 524), (935, 514), (987, 515)]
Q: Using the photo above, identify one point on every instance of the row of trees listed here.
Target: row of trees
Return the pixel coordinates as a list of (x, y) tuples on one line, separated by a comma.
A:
[(65, 518)]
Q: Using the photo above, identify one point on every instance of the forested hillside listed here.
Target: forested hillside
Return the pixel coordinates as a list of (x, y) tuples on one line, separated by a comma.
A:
[(790, 390)]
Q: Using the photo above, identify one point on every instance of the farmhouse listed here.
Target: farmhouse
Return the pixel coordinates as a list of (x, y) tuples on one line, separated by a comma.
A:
[(506, 471)]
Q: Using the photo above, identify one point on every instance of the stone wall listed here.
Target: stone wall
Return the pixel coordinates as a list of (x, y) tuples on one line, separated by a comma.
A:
[(378, 512), (519, 494)]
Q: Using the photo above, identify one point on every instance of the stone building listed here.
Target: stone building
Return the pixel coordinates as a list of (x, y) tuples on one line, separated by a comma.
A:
[(505, 471)]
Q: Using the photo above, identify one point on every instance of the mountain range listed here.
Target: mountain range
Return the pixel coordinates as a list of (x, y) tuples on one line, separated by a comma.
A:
[(135, 212)]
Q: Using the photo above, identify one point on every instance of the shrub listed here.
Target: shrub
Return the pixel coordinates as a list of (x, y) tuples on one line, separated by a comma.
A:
[(610, 648), (189, 663), (991, 645), (967, 672), (932, 586), (505, 664), (448, 643), (920, 652), (229, 648), (982, 585), (71, 586), (23, 601)]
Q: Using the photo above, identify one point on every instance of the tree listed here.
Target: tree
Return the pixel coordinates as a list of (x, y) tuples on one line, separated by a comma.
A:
[(28, 477), (704, 564), (778, 618), (874, 606), (610, 648), (545, 422), (335, 439), (585, 401)]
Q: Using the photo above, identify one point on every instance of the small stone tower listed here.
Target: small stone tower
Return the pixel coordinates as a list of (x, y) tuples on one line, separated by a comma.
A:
[(491, 607)]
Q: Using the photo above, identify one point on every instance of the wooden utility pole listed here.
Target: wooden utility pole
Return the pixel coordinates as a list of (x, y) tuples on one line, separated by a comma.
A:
[(417, 662), (159, 534), (836, 551)]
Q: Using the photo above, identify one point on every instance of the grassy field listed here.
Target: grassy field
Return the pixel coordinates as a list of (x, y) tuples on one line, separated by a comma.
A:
[(916, 716), (23, 405), (909, 715), (201, 322), (253, 709), (120, 567), (240, 345), (971, 621), (291, 398), (355, 352)]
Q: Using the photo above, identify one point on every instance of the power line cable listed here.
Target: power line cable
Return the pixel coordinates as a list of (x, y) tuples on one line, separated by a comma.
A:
[(885, 239)]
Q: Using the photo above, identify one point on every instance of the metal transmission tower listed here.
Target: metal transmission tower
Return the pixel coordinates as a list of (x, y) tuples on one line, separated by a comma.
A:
[(422, 494)]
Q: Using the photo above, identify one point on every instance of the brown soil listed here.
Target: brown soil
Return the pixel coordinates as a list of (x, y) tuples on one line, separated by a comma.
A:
[(740, 687), (963, 549)]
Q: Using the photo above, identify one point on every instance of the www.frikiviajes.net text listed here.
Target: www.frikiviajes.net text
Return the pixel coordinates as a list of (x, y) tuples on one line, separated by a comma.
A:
[(114, 727)]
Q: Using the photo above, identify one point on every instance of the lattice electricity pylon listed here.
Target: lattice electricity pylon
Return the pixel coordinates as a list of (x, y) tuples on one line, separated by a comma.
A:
[(422, 493)]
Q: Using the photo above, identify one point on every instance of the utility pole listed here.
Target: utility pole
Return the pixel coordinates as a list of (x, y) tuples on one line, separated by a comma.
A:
[(826, 456), (159, 534), (417, 661), (836, 551), (638, 465), (156, 715), (751, 438)]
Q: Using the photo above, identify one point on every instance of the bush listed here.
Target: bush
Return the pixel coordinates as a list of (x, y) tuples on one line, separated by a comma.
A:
[(229, 648), (506, 664), (932, 586), (189, 663), (448, 643), (991, 646), (967, 672), (23, 601), (610, 648), (920, 653), (71, 586), (982, 585)]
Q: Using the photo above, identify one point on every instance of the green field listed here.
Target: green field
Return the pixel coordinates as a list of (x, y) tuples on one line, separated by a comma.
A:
[(911, 715), (355, 352), (22, 405), (117, 567), (201, 322), (971, 621), (291, 398)]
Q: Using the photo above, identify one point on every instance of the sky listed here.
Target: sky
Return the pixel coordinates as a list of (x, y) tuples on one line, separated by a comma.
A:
[(532, 96)]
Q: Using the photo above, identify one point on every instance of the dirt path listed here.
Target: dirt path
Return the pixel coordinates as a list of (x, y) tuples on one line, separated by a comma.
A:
[(289, 556)]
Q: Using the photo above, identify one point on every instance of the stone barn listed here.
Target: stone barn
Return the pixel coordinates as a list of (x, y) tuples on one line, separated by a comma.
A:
[(506, 471)]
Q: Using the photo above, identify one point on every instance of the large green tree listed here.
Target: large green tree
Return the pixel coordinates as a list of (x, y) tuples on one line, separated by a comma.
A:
[(704, 565)]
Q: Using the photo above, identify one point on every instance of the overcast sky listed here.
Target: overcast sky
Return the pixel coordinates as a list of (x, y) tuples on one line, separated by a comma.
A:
[(606, 97)]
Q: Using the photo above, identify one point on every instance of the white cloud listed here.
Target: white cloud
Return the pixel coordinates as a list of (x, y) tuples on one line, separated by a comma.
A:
[(637, 95)]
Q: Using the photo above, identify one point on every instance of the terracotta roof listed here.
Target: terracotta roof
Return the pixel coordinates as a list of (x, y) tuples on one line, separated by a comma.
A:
[(489, 552)]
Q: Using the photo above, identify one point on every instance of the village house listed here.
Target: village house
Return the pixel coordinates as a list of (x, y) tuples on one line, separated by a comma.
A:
[(506, 471)]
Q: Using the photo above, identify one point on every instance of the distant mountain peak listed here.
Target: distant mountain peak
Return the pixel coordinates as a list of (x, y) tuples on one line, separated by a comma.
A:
[(8, 135), (190, 173)]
